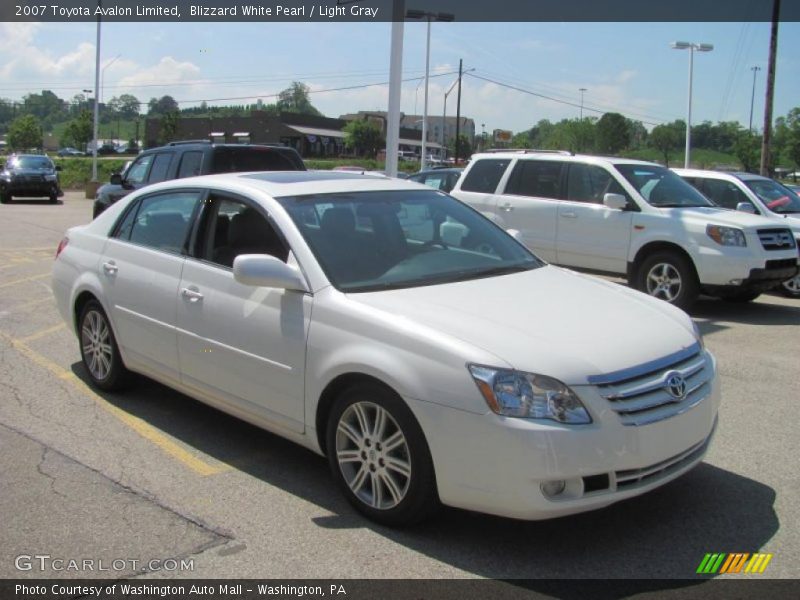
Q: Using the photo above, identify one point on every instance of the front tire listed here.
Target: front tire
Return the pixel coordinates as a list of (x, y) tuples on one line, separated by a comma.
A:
[(99, 350), (379, 457), (669, 276), (791, 287)]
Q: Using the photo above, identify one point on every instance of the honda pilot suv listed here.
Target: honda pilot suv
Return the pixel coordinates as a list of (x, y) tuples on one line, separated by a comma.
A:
[(630, 217), (187, 159), (29, 176)]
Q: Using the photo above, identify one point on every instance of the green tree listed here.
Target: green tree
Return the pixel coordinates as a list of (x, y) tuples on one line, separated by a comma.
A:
[(79, 131), (295, 99), (24, 133), (638, 134), (161, 106), (792, 148), (522, 140), (363, 137), (612, 133), (748, 150), (464, 147), (125, 106), (169, 126), (665, 139)]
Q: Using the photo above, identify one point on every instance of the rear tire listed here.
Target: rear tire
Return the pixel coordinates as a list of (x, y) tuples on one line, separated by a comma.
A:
[(379, 457), (668, 276), (99, 350), (5, 197)]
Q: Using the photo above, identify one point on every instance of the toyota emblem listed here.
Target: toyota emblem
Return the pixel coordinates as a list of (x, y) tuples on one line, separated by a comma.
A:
[(675, 384)]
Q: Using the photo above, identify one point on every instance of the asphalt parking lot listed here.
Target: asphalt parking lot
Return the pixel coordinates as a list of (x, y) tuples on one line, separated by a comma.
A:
[(152, 475)]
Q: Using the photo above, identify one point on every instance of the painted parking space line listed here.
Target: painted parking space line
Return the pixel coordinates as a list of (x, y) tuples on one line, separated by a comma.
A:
[(139, 426), (24, 280), (24, 306), (43, 333)]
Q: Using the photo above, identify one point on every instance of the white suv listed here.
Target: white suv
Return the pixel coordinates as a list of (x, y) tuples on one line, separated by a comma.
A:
[(629, 217), (752, 194)]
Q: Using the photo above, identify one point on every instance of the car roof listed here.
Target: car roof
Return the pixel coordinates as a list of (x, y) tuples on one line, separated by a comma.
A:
[(562, 155), (295, 183), (444, 170)]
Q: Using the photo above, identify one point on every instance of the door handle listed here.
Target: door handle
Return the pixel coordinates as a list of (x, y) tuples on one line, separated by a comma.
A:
[(569, 215), (192, 295), (507, 207), (110, 267)]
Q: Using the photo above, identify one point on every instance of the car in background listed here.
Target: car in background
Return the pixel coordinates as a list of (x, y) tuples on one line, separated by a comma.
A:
[(633, 218), (428, 354), (66, 152), (794, 187), (439, 179), (29, 176), (753, 194), (190, 158)]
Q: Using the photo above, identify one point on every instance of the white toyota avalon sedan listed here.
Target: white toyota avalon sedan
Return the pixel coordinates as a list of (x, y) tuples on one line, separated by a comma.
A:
[(429, 355)]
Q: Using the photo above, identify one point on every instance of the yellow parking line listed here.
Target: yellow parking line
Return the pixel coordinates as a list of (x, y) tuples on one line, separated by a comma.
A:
[(28, 249), (24, 279), (141, 427), (15, 262), (41, 334), (29, 305)]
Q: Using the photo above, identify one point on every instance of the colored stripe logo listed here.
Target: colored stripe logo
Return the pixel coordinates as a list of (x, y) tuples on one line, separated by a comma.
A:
[(737, 562)]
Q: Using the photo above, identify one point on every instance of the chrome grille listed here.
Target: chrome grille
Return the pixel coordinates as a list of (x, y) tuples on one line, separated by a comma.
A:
[(632, 478), (659, 390), (776, 239)]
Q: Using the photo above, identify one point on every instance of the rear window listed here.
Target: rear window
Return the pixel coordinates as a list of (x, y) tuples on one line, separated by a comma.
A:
[(485, 175), (232, 160)]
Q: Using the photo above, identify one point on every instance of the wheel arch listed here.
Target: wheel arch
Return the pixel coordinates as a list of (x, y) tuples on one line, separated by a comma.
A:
[(651, 248)]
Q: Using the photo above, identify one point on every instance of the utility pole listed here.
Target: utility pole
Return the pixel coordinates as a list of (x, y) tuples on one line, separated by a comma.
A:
[(96, 97), (582, 91), (773, 50), (395, 87), (458, 108), (753, 95)]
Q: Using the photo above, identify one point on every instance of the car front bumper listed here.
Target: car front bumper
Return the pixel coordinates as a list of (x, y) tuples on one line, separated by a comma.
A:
[(498, 465)]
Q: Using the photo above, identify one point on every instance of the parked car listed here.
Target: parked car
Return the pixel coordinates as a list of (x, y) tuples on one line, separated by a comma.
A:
[(29, 176), (66, 152), (187, 159), (295, 301), (438, 179), (630, 218), (794, 187), (753, 194)]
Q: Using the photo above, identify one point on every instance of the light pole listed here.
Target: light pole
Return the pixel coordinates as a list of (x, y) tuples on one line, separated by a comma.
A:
[(582, 91), (692, 46), (429, 16), (444, 113), (96, 98), (753, 96)]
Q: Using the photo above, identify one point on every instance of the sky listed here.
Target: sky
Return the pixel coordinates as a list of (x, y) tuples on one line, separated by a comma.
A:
[(624, 67)]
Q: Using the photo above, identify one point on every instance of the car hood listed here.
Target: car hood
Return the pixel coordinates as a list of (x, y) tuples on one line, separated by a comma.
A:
[(721, 216), (549, 321), (791, 220)]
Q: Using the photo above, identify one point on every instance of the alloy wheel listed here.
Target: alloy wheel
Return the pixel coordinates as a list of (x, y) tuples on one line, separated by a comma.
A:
[(96, 345), (664, 281)]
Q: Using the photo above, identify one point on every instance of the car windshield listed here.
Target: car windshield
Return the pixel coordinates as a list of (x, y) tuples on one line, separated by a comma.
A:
[(662, 188), (367, 241), (777, 198), (31, 162)]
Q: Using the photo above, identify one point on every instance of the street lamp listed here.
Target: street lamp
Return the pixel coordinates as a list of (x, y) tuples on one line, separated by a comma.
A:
[(755, 70), (444, 112), (429, 16), (582, 91), (692, 46)]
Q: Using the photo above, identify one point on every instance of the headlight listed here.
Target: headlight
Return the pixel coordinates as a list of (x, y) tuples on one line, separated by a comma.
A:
[(528, 395), (51, 177), (726, 236)]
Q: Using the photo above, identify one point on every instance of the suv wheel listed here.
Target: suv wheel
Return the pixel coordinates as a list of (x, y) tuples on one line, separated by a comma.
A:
[(791, 287), (670, 277), (379, 457), (53, 196)]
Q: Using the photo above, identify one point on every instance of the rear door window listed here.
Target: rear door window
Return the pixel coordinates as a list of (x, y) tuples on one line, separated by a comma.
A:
[(485, 175), (163, 221), (538, 178), (191, 162)]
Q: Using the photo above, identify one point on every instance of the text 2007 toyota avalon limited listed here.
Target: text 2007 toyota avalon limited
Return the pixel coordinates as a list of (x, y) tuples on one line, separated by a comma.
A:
[(429, 355)]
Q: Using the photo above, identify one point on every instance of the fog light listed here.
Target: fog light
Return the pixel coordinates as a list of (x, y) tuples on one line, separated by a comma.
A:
[(735, 282), (553, 488)]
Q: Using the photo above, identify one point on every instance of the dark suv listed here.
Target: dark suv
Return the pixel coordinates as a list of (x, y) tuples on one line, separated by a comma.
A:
[(187, 159), (29, 176)]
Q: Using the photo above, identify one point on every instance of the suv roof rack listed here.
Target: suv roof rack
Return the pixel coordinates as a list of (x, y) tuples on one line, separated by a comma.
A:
[(188, 142), (528, 151)]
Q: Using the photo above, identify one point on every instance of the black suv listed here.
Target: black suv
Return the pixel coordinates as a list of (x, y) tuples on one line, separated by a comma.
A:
[(187, 159), (29, 176)]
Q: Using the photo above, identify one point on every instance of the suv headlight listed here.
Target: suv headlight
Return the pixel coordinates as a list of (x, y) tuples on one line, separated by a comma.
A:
[(726, 236), (528, 395)]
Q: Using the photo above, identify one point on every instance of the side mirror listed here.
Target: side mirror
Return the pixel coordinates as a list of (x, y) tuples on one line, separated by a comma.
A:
[(746, 207), (516, 234), (615, 201), (116, 179), (263, 270)]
